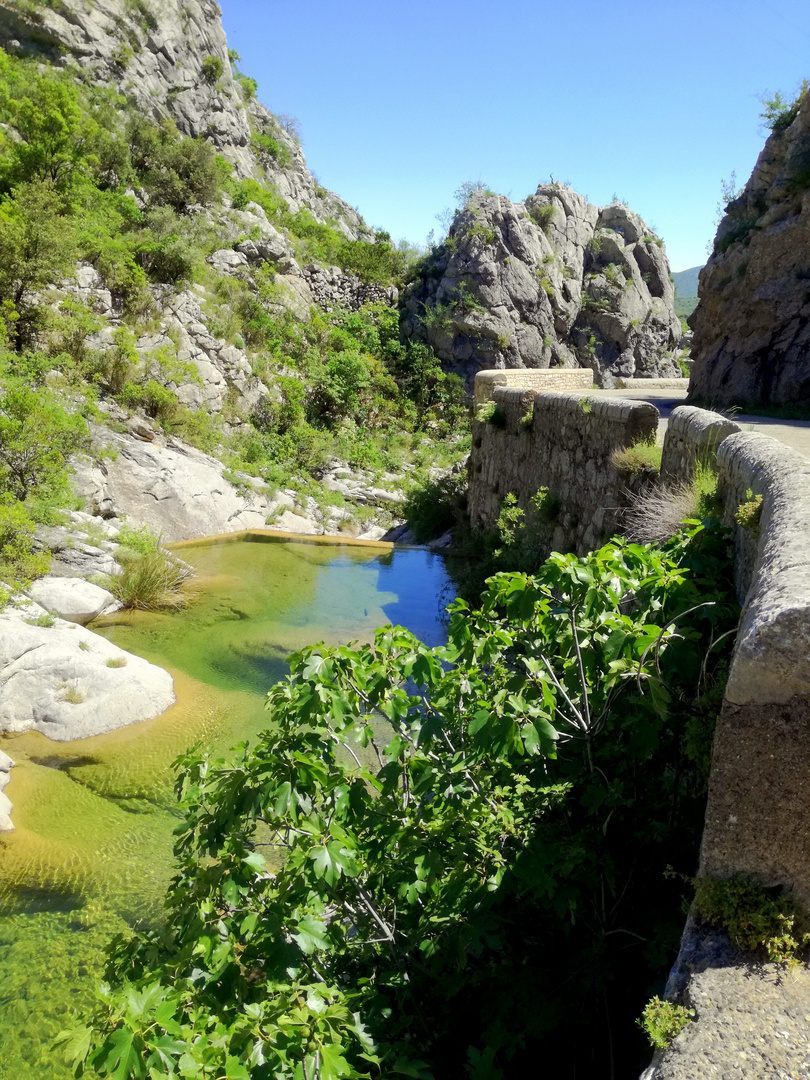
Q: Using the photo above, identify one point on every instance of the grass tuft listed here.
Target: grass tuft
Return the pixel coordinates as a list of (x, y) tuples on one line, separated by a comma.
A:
[(638, 458), (656, 514), (152, 580)]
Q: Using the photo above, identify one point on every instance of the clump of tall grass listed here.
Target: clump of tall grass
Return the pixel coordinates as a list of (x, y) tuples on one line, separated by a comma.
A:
[(640, 457), (151, 577), (657, 513)]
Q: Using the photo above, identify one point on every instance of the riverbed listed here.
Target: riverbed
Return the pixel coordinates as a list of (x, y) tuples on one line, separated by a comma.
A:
[(91, 850)]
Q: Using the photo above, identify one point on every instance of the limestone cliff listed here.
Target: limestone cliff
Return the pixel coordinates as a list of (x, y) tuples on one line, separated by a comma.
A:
[(550, 282), (170, 58), (752, 324)]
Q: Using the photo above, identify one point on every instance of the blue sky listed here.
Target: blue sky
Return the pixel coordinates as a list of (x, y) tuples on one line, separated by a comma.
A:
[(399, 103)]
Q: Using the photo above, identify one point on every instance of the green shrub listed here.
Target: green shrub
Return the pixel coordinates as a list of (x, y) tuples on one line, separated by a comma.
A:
[(748, 514), (491, 413), (542, 215), (755, 918), (37, 439), (211, 69), (175, 170), (503, 849), (662, 1021), (435, 505), (779, 112), (151, 580), (37, 247), (20, 563), (640, 457), (277, 151)]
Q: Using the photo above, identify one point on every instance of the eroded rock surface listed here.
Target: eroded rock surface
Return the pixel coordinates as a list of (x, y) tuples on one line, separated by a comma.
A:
[(159, 55), (751, 1023), (72, 599), (68, 683), (752, 323), (550, 282)]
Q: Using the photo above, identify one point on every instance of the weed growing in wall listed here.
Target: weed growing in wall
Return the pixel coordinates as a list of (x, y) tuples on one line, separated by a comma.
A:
[(663, 1021), (749, 513), (642, 456), (755, 918)]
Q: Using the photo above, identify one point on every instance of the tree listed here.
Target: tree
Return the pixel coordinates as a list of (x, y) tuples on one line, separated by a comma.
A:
[(19, 562), (432, 854), (53, 131), (37, 438), (37, 248), (176, 170)]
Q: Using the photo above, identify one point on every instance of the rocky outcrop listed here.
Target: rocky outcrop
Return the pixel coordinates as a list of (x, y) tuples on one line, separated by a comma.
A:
[(209, 371), (179, 493), (170, 59), (332, 288), (752, 323), (550, 282), (69, 683)]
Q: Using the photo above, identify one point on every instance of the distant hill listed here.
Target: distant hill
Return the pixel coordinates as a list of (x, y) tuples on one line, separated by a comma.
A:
[(686, 287), (686, 282)]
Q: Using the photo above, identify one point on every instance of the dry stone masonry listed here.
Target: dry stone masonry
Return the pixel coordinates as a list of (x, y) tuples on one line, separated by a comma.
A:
[(751, 1019), (563, 443), (549, 282)]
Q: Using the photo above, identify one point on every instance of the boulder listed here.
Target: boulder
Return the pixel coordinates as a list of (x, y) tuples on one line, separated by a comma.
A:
[(176, 491), (72, 599), (69, 683)]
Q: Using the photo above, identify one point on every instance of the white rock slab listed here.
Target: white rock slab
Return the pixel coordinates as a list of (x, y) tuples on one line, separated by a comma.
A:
[(57, 680), (73, 599)]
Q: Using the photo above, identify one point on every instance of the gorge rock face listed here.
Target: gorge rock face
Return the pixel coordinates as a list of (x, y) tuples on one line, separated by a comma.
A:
[(752, 323), (550, 282), (165, 56)]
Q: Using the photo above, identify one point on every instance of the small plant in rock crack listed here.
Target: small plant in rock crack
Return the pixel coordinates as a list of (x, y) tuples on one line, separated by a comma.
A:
[(663, 1021)]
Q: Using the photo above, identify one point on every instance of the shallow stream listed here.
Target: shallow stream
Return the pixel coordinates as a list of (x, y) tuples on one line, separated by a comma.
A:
[(91, 852)]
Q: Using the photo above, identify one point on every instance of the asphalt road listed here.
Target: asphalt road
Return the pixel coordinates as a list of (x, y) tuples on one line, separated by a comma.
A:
[(793, 433)]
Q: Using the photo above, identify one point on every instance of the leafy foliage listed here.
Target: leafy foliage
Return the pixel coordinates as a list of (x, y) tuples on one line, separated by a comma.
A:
[(779, 112), (19, 562), (37, 438), (434, 858), (663, 1021), (36, 247)]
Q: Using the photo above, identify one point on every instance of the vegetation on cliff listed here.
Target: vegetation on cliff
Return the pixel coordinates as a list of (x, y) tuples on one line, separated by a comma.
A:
[(84, 177)]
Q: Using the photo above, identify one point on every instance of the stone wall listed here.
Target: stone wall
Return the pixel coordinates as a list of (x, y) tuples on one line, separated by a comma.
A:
[(331, 289), (531, 379), (762, 742), (559, 441), (751, 1018), (758, 812), (693, 436)]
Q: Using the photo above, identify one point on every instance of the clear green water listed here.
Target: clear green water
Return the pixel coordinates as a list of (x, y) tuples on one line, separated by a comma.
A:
[(91, 852)]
